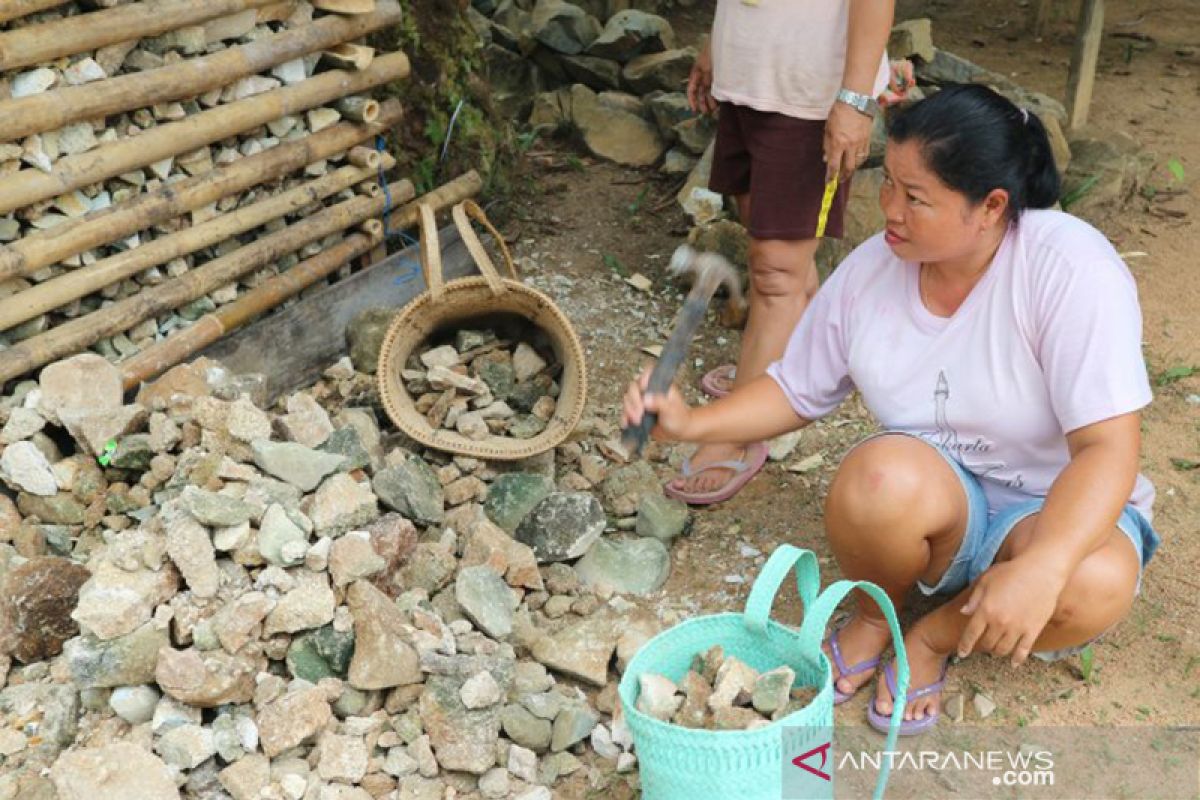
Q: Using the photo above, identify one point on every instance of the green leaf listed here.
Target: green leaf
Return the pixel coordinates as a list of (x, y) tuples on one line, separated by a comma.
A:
[(1185, 464), (1169, 376), (614, 264), (636, 205), (1176, 168), (1087, 660), (1076, 194)]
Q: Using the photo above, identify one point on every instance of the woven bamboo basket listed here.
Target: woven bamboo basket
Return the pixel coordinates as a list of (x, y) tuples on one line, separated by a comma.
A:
[(456, 304)]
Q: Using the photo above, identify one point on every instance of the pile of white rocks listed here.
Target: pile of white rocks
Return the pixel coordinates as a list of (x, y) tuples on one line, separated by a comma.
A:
[(482, 385), (43, 150), (200, 598), (722, 692)]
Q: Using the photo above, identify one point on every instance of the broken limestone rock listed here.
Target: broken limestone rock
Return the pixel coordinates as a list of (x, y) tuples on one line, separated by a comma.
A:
[(637, 565), (582, 650), (36, 601), (122, 769), (513, 495), (82, 383), (486, 600), (383, 653), (294, 463), (24, 467), (563, 526), (292, 719), (412, 489)]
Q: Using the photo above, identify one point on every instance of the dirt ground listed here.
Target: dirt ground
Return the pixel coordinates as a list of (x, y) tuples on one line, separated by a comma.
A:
[(586, 222)]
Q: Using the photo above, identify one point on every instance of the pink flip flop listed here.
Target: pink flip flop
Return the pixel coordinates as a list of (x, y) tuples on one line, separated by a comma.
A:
[(711, 382), (743, 469)]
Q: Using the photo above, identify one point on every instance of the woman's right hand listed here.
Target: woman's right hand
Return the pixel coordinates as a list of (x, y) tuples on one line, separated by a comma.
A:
[(699, 88), (674, 415)]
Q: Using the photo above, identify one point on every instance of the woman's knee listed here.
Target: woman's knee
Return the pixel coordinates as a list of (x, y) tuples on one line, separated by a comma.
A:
[(885, 479), (782, 269), (1101, 590)]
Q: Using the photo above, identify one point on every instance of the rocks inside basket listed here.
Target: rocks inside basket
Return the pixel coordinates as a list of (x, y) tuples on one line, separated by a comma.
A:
[(722, 692), (486, 382)]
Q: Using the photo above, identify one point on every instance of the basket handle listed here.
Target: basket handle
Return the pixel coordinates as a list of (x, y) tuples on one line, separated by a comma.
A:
[(431, 252), (766, 586), (812, 633), (463, 213)]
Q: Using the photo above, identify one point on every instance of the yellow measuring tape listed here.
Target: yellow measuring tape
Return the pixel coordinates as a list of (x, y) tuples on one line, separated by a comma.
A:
[(826, 204)]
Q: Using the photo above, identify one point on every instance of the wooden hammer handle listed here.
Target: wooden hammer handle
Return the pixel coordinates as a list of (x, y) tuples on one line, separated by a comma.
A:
[(634, 438)]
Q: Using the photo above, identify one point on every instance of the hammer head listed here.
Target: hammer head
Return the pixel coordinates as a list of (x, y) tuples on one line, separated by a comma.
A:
[(709, 271)]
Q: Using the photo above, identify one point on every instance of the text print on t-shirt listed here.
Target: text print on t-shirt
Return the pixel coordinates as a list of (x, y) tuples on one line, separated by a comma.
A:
[(946, 437)]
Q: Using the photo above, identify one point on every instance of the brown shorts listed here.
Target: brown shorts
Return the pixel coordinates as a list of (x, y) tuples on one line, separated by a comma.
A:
[(779, 161)]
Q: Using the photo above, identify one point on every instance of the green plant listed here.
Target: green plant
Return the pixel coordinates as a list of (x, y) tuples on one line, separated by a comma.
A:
[(1087, 663), (614, 264), (1075, 195), (1185, 464), (1175, 167), (1173, 374), (636, 205)]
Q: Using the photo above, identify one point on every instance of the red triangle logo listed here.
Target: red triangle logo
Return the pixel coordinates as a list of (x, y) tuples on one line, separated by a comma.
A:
[(818, 771)]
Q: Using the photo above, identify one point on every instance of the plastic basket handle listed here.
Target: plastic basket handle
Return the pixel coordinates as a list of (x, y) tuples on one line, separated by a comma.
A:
[(766, 586), (463, 213), (812, 633)]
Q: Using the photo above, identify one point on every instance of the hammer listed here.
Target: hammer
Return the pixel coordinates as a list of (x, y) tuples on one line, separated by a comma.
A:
[(710, 271)]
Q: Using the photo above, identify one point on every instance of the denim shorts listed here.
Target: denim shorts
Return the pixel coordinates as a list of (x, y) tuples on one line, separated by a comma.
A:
[(986, 532)]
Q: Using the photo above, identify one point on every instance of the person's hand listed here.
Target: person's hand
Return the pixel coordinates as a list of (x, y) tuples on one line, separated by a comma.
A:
[(901, 81), (699, 87), (1009, 606), (674, 415), (847, 140)]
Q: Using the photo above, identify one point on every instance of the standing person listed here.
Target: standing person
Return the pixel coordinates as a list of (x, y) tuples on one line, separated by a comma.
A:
[(999, 345), (793, 83)]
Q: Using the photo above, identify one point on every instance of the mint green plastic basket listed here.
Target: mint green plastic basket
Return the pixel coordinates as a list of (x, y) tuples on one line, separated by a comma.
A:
[(679, 763)]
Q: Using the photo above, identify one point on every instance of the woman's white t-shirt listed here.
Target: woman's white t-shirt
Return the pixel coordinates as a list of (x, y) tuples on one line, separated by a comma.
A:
[(785, 56), (1047, 342)]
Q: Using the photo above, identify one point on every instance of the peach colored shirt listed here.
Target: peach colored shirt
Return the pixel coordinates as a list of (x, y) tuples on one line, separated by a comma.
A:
[(785, 56)]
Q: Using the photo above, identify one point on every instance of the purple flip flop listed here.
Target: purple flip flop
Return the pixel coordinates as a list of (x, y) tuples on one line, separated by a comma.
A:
[(710, 383), (743, 471), (844, 671), (908, 727)]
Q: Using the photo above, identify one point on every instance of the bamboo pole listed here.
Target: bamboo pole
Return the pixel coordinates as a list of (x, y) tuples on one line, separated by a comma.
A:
[(43, 248), (37, 44), (184, 343), (354, 56), (345, 6), (52, 110), (71, 337), (59, 291), (15, 9), (364, 157), (32, 185), (359, 109)]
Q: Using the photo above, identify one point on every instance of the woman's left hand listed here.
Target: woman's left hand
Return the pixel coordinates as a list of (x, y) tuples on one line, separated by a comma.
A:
[(1009, 606)]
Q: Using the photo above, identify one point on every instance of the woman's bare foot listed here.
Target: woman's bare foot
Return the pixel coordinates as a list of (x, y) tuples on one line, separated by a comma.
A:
[(713, 479), (859, 640), (925, 666)]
